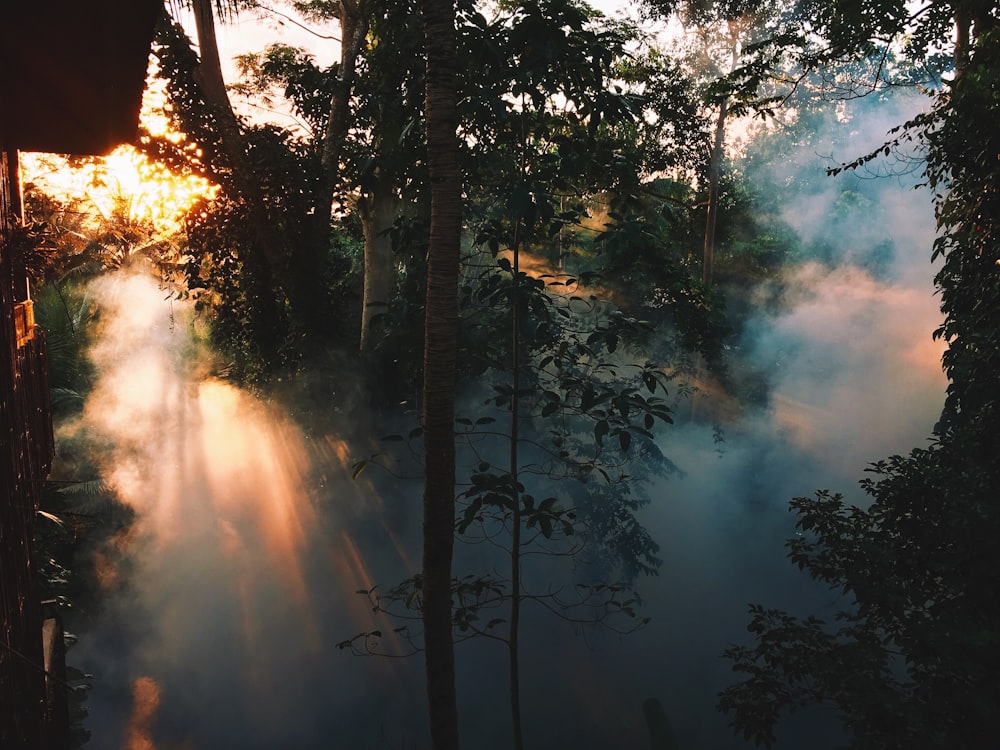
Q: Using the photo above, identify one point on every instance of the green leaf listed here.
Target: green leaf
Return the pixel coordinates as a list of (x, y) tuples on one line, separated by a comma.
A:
[(50, 517), (545, 524), (624, 440)]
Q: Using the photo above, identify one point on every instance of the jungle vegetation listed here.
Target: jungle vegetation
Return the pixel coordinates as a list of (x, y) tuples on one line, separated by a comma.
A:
[(522, 222)]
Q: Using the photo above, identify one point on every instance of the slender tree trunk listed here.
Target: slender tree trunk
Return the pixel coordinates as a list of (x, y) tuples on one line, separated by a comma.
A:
[(513, 638), (714, 177), (354, 23), (209, 78), (377, 211), (353, 15), (714, 174), (353, 30), (262, 256), (269, 254), (715, 165), (440, 334)]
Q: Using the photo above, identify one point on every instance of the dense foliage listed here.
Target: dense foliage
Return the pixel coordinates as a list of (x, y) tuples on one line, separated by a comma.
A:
[(587, 168)]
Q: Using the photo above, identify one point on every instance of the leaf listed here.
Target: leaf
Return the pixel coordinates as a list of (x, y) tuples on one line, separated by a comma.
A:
[(90, 488), (545, 524), (624, 440), (49, 516), (358, 468)]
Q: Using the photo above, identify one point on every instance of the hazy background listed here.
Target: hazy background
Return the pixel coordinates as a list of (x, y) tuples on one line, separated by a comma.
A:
[(229, 593)]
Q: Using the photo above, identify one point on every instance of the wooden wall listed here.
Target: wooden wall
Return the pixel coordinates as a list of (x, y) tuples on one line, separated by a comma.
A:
[(26, 449)]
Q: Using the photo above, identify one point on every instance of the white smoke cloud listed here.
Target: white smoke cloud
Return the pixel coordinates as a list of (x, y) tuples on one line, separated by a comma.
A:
[(238, 587)]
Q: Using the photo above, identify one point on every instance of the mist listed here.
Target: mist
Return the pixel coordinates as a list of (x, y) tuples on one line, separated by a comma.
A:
[(239, 575), (240, 570)]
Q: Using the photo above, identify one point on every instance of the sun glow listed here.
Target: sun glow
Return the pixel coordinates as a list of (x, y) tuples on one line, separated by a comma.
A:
[(126, 184)]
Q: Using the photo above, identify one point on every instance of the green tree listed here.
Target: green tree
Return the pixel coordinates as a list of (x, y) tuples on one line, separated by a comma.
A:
[(567, 374), (269, 239)]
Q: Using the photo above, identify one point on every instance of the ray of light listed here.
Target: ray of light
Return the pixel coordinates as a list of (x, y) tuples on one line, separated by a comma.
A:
[(145, 703)]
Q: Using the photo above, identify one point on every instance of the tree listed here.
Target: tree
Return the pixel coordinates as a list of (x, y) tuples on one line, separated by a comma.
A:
[(912, 659), (570, 400), (278, 188), (737, 23), (440, 344), (379, 182)]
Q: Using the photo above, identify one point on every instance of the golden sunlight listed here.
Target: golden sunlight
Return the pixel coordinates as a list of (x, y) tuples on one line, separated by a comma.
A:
[(146, 701), (126, 184)]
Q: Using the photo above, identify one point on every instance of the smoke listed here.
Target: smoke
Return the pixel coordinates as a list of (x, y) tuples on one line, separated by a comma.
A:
[(251, 538), (853, 376), (242, 563)]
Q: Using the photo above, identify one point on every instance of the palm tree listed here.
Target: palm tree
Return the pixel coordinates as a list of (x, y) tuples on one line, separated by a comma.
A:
[(440, 332)]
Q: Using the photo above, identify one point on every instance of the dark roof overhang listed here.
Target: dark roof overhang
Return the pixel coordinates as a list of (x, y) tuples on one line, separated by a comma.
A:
[(72, 73)]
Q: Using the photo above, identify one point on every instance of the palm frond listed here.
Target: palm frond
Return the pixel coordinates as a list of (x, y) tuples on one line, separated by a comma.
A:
[(91, 496), (66, 397), (89, 488)]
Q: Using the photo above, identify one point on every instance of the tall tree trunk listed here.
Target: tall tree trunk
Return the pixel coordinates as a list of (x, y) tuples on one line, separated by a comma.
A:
[(378, 212), (440, 334), (715, 163), (265, 257), (353, 16), (963, 32), (209, 78), (514, 634), (354, 23), (714, 175)]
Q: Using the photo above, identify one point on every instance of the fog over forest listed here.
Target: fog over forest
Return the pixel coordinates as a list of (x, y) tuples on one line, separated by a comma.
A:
[(228, 593)]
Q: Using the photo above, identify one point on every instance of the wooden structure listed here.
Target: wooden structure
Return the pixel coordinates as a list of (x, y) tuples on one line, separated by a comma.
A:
[(25, 452), (71, 81), (72, 73)]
